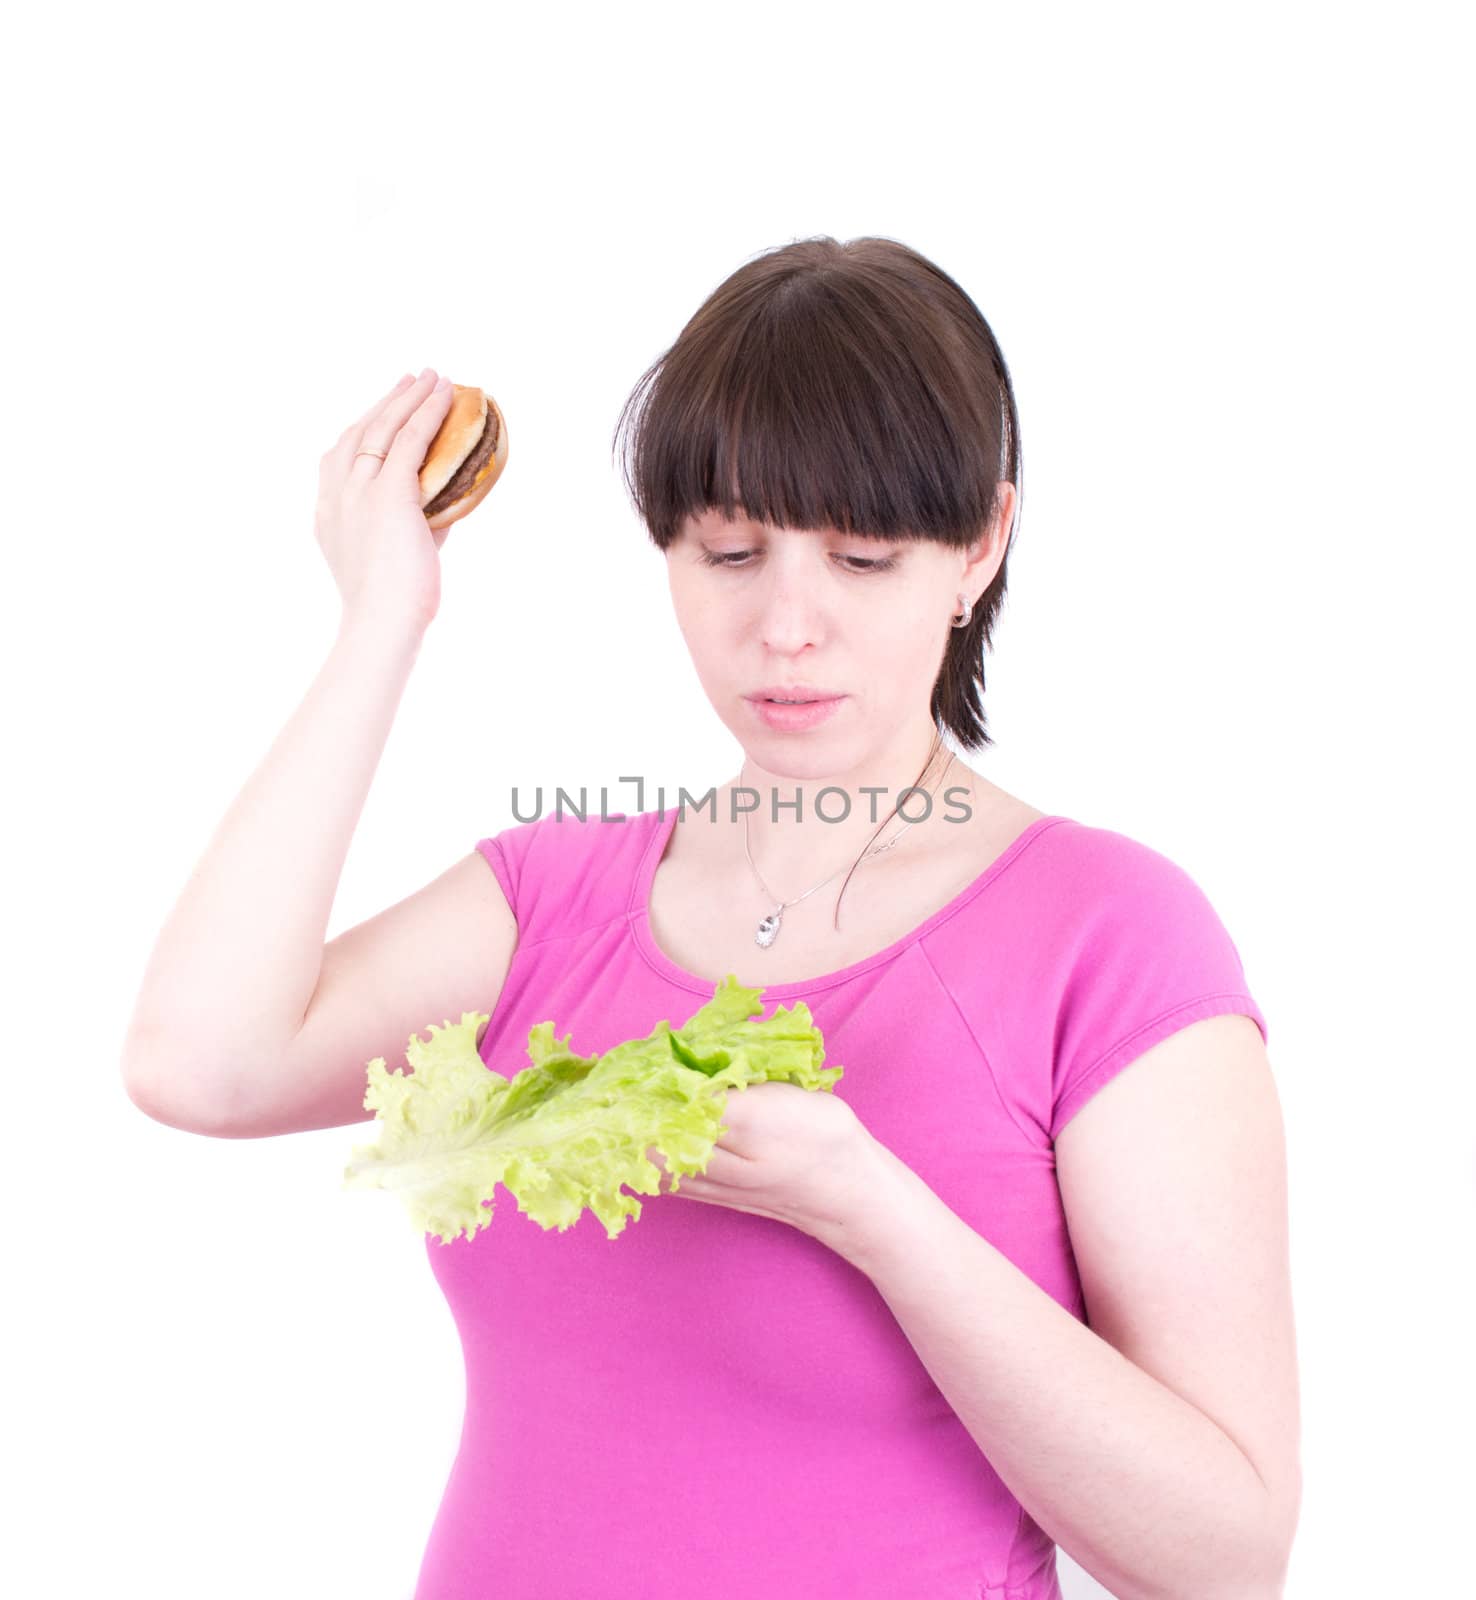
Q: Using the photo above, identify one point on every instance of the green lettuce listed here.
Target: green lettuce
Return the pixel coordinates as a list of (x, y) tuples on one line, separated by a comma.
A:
[(566, 1132)]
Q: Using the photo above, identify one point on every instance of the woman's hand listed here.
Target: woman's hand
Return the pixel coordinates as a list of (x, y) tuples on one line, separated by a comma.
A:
[(384, 556), (800, 1156)]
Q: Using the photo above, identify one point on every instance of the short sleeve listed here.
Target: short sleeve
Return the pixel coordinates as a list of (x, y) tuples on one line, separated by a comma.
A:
[(1152, 957), (562, 873), (506, 866)]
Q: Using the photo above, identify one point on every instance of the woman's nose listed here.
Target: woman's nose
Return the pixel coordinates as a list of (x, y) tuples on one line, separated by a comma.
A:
[(789, 616)]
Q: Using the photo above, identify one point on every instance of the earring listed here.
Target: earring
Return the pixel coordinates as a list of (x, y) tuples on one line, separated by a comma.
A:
[(968, 611)]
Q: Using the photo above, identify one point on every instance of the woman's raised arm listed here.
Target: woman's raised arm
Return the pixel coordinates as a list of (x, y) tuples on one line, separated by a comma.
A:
[(235, 967)]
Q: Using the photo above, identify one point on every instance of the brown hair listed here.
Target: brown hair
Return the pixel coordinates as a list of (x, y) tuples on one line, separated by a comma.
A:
[(837, 385)]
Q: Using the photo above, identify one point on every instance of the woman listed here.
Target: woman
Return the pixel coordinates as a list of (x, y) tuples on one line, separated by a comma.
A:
[(901, 1339)]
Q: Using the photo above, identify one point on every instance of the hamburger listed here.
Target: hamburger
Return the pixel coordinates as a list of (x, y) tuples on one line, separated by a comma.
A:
[(465, 458)]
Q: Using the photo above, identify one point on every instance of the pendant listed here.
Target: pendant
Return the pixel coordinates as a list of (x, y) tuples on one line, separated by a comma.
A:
[(768, 929)]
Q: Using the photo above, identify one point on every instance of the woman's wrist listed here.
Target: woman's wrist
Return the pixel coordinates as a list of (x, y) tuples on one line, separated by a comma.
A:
[(882, 1208), (386, 627)]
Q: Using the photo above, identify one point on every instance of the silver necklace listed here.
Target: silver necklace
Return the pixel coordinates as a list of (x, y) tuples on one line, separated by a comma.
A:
[(768, 930)]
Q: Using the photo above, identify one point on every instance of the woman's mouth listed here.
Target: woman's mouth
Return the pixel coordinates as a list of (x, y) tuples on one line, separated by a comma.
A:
[(796, 711)]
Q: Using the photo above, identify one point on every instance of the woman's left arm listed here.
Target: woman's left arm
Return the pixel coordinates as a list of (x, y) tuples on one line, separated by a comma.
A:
[(1159, 1446)]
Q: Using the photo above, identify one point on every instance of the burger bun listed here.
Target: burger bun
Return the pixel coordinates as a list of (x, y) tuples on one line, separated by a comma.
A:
[(465, 458)]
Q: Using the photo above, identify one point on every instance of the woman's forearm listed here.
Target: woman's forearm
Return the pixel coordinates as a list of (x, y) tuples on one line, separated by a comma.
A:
[(1138, 1486)]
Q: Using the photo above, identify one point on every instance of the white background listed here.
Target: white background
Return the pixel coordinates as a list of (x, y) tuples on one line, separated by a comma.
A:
[(1223, 252)]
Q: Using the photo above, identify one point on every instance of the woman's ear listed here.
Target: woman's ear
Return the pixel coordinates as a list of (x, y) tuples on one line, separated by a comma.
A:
[(988, 551), (1008, 495)]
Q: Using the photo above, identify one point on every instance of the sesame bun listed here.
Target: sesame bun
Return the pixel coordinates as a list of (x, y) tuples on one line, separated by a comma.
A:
[(465, 458)]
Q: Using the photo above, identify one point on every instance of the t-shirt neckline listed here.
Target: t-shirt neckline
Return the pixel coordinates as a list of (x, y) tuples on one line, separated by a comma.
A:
[(638, 913)]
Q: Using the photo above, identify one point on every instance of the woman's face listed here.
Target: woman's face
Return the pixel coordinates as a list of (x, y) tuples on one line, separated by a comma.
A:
[(861, 619)]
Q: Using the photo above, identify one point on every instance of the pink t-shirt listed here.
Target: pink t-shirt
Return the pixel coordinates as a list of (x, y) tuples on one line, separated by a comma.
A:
[(714, 1404)]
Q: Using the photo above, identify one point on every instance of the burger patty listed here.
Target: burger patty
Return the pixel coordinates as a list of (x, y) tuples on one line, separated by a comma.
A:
[(465, 475)]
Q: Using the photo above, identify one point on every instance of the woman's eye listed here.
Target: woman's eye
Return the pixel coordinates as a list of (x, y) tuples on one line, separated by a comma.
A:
[(858, 564)]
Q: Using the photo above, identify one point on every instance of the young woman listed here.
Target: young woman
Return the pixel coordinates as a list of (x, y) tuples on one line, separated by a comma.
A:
[(1021, 1280)]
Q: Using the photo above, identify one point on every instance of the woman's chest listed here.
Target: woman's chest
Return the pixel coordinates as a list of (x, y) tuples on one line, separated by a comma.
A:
[(712, 941), (926, 1082), (710, 926)]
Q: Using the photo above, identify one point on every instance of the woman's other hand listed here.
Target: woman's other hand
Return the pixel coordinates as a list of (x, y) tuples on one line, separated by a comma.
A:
[(799, 1156), (384, 556)]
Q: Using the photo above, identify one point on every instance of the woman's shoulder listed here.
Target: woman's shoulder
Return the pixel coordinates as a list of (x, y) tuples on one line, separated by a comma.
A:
[(1085, 946), (1105, 863), (1092, 852), (566, 871), (1064, 884), (1096, 903)]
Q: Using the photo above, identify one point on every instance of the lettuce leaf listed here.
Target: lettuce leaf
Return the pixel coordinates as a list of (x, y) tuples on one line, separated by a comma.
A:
[(565, 1133)]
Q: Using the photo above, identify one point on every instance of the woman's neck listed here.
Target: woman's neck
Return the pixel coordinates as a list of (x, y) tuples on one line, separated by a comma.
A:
[(801, 827)]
